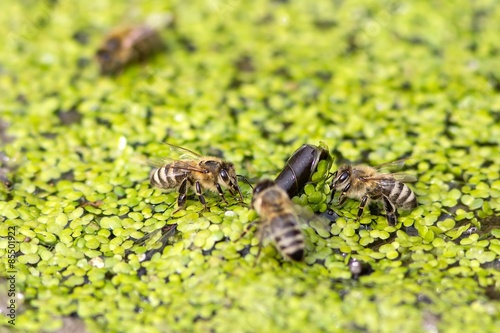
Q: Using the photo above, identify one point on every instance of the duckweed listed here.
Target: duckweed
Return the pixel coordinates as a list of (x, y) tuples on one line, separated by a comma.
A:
[(251, 81)]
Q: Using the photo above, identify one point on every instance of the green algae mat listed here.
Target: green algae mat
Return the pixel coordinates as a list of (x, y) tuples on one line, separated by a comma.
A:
[(88, 245)]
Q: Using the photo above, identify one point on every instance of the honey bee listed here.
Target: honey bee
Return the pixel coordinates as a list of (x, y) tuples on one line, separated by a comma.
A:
[(279, 220), (199, 172), (371, 183), (125, 46)]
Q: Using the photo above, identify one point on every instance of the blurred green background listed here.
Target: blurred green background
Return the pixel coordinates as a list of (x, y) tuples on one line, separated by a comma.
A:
[(251, 81)]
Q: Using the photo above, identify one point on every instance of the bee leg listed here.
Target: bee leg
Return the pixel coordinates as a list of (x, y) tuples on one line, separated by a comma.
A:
[(221, 193), (247, 229), (262, 235), (362, 205), (197, 187), (181, 199), (333, 195), (343, 196), (390, 211)]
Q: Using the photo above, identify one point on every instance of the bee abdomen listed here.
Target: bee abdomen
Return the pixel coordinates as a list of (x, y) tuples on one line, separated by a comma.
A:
[(403, 196), (288, 237), (165, 177)]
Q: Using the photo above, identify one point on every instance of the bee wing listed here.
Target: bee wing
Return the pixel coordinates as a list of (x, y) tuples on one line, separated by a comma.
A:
[(391, 166), (183, 153), (158, 162), (306, 216), (180, 154), (399, 176), (404, 177)]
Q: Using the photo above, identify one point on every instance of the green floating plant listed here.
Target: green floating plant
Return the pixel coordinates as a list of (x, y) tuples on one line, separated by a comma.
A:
[(96, 246)]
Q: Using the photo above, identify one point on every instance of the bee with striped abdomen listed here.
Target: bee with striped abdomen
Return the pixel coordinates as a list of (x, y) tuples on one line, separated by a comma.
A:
[(199, 172), (278, 220), (371, 183)]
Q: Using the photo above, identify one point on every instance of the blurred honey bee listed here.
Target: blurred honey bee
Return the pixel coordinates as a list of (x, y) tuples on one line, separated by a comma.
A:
[(278, 220), (371, 183), (125, 46), (199, 172)]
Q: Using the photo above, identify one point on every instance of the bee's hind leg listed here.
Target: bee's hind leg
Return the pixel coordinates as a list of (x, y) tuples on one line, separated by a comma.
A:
[(181, 199), (362, 206), (390, 211)]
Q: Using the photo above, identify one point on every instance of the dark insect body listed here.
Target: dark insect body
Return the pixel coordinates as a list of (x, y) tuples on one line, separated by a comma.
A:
[(300, 167)]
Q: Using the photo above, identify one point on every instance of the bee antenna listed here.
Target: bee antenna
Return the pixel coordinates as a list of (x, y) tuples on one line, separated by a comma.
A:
[(245, 179)]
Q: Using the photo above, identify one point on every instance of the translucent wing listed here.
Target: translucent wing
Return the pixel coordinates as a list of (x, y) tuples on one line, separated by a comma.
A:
[(182, 152), (391, 166), (158, 162), (404, 177), (317, 222), (178, 155), (399, 176)]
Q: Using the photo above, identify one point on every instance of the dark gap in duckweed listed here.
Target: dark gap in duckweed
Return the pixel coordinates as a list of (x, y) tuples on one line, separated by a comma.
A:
[(81, 37), (283, 72), (494, 81), (473, 310), (482, 143), (188, 44), (71, 116), (48, 135), (493, 293), (4, 136), (104, 122), (324, 75), (199, 318), (492, 265), (245, 64), (488, 224), (376, 244), (330, 215), (325, 24), (359, 268)]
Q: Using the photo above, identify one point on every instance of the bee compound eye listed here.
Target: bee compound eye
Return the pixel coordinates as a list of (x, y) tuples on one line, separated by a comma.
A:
[(343, 177), (261, 186), (224, 176)]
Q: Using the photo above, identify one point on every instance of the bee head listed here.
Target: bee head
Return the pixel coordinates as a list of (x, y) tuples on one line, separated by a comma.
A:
[(341, 177), (227, 176), (259, 188), (262, 185), (106, 53)]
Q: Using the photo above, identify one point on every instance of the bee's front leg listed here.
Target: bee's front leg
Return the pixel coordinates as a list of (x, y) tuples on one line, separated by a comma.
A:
[(362, 205), (221, 193), (332, 190), (262, 235), (247, 229), (390, 211), (343, 194)]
